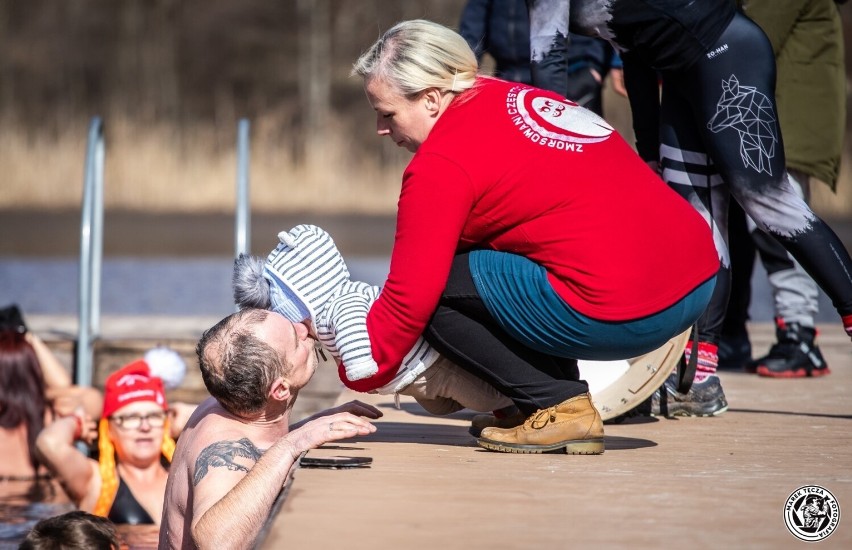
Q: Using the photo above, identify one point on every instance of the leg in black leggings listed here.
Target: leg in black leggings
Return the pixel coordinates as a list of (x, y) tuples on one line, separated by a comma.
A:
[(463, 330), (690, 171), (723, 109), (742, 268), (735, 346)]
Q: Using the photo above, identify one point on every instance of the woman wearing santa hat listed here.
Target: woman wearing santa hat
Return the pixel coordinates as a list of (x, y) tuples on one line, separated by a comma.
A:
[(127, 483)]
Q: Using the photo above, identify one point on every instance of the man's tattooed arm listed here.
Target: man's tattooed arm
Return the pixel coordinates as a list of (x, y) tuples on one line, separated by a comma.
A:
[(222, 454)]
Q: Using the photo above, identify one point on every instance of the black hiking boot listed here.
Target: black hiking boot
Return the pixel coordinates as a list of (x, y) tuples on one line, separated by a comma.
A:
[(794, 355)]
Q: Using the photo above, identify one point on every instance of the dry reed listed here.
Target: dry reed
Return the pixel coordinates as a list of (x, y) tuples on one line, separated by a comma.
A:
[(157, 168), (160, 168)]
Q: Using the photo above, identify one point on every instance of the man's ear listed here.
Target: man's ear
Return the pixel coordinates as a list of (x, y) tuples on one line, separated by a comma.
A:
[(280, 390)]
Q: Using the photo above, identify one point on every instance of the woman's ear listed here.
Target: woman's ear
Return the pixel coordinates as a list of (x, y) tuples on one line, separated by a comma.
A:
[(432, 98)]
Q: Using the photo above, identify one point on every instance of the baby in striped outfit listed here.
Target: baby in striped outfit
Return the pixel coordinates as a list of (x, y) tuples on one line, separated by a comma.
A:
[(305, 278)]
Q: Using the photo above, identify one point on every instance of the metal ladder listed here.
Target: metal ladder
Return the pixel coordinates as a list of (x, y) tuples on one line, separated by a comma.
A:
[(91, 238)]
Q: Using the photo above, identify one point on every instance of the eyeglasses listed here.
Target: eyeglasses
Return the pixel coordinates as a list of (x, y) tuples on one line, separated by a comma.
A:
[(134, 421)]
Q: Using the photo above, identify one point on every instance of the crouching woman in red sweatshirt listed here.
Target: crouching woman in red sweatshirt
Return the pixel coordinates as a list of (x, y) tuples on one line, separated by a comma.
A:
[(529, 235)]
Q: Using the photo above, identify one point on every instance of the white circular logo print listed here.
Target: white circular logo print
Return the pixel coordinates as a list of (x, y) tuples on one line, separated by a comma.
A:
[(811, 513), (553, 122), (569, 119)]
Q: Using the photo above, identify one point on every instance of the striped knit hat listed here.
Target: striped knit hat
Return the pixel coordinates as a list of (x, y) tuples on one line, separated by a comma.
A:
[(304, 271)]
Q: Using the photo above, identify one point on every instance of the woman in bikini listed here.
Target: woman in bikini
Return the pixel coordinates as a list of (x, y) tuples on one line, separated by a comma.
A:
[(35, 389), (135, 441)]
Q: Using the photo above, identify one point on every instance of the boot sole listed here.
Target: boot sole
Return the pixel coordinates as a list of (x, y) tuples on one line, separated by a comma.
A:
[(580, 447), (797, 373), (699, 414), (704, 413)]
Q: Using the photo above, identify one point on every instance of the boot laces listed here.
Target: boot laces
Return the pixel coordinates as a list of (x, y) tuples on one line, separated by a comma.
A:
[(542, 418)]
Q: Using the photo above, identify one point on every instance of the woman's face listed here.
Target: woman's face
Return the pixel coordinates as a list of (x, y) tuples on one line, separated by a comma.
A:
[(137, 432), (406, 121)]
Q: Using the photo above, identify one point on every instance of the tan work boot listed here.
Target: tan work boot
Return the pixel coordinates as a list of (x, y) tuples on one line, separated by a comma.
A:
[(574, 425), (482, 421)]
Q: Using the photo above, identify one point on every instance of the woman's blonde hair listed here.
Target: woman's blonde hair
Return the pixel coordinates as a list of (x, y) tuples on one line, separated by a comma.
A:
[(416, 55), (106, 465)]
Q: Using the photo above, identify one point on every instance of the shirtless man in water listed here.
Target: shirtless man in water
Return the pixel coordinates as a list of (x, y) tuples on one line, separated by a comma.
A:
[(236, 450)]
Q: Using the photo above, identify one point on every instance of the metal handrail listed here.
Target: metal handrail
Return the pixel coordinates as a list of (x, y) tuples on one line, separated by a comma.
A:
[(91, 253), (91, 238), (243, 218)]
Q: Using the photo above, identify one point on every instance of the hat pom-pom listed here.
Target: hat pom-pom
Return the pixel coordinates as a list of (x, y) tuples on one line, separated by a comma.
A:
[(166, 364), (250, 288)]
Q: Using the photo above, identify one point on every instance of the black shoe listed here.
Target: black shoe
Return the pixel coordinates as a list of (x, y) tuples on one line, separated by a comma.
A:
[(703, 399), (794, 355), (734, 352)]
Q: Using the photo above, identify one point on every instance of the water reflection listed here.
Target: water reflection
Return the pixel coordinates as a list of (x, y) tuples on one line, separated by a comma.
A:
[(24, 503)]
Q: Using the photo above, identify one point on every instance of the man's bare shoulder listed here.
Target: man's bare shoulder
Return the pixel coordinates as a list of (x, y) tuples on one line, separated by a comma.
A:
[(208, 424), (217, 441)]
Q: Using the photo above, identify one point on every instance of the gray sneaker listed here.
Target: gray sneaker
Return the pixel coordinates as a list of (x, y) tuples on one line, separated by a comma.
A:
[(703, 399)]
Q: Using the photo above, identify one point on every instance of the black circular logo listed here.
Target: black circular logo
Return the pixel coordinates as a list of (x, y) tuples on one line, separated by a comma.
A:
[(811, 513)]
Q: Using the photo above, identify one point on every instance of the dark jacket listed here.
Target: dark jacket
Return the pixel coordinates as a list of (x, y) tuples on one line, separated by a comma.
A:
[(501, 28)]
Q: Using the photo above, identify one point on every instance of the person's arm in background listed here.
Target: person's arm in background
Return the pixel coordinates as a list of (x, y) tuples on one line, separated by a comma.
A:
[(616, 73), (179, 413), (643, 91), (55, 449), (473, 25), (64, 396), (549, 44), (54, 373)]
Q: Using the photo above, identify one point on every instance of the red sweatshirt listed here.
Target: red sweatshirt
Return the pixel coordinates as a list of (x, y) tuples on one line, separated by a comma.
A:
[(518, 169)]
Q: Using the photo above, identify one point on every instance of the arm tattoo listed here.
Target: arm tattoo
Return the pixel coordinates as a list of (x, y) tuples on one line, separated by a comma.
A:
[(223, 453)]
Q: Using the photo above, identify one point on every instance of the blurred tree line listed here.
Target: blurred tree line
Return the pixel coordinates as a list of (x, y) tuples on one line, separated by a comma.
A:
[(171, 78), (191, 61)]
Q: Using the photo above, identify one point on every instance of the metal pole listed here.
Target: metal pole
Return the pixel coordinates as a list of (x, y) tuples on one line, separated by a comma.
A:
[(243, 221), (91, 244)]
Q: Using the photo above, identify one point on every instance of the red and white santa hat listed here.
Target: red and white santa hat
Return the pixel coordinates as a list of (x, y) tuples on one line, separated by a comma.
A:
[(142, 380)]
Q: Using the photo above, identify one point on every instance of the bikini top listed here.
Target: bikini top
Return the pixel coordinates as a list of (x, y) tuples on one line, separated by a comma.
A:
[(126, 509)]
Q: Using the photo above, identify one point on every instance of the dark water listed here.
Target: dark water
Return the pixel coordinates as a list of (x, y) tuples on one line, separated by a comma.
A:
[(138, 286), (161, 264), (16, 520), (180, 264), (202, 286), (20, 512)]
